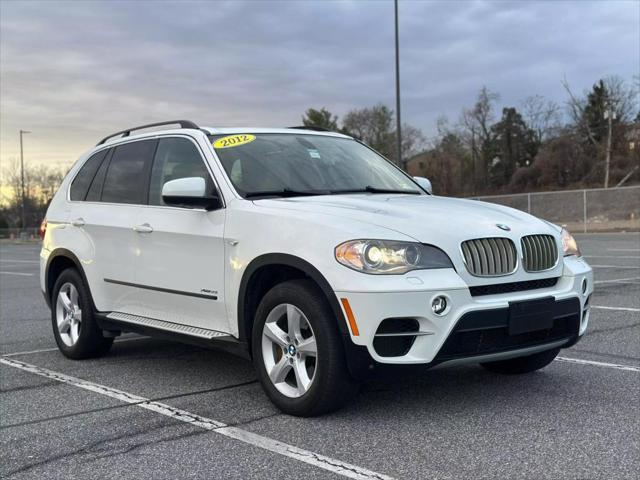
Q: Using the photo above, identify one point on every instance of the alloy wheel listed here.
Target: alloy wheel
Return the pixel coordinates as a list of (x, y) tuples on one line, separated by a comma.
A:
[(289, 350), (68, 314)]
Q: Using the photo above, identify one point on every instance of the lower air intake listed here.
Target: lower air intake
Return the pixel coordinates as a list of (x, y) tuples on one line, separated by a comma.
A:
[(395, 336)]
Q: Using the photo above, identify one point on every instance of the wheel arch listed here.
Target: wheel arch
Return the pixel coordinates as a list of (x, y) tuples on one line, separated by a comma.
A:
[(258, 278), (59, 260)]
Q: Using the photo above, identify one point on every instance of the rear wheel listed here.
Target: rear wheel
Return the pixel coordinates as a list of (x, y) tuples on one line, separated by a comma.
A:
[(298, 352), (74, 327), (519, 365)]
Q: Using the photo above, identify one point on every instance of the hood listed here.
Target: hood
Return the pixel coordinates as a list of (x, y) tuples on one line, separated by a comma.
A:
[(427, 219)]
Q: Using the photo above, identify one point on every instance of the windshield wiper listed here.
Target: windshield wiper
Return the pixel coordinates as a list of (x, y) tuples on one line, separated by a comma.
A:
[(370, 189), (286, 192)]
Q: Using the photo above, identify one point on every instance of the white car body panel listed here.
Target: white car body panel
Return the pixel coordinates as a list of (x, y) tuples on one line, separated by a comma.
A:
[(185, 252), (106, 245), (208, 252)]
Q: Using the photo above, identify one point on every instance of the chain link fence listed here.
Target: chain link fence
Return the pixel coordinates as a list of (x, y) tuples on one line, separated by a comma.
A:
[(592, 210)]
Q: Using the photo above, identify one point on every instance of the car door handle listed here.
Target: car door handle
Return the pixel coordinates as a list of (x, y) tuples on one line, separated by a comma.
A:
[(78, 222), (144, 228)]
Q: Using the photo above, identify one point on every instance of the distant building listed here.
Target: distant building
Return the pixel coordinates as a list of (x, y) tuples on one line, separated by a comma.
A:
[(633, 137), (417, 166)]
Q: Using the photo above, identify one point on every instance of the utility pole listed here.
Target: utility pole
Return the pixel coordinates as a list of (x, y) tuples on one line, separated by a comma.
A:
[(22, 132), (473, 158), (609, 115), (398, 121)]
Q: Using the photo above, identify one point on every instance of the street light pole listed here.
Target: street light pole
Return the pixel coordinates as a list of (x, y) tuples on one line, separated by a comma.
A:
[(398, 122), (22, 132)]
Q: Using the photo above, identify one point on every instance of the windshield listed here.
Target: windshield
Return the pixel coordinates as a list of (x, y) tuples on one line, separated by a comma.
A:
[(298, 164)]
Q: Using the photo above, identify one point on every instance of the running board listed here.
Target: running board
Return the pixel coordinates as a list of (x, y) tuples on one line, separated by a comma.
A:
[(167, 326)]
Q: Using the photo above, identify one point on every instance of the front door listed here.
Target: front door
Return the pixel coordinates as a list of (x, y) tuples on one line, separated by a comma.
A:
[(179, 255)]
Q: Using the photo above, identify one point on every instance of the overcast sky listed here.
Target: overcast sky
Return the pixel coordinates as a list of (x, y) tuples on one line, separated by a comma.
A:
[(72, 72)]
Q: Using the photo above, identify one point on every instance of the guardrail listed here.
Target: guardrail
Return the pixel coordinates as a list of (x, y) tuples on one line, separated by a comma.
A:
[(587, 210)]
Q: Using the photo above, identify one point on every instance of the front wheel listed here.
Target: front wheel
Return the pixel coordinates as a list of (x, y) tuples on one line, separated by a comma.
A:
[(519, 365), (298, 353)]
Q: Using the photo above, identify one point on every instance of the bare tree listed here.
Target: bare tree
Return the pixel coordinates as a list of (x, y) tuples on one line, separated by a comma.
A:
[(622, 97), (477, 123), (40, 182), (618, 103), (576, 107), (542, 116), (482, 114), (413, 141)]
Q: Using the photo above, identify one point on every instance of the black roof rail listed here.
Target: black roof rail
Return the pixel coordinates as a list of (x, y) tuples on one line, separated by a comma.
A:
[(312, 127), (127, 132)]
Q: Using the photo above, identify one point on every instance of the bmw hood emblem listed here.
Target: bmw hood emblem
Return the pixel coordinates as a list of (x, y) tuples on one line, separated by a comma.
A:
[(504, 227)]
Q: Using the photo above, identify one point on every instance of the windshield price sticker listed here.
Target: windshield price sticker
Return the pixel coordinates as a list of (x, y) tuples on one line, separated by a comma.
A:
[(233, 141)]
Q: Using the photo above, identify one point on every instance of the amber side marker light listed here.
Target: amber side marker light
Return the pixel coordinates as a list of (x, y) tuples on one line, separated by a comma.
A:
[(350, 318), (43, 229)]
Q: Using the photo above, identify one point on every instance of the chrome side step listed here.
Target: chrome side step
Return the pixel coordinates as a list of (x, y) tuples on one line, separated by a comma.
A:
[(167, 326)]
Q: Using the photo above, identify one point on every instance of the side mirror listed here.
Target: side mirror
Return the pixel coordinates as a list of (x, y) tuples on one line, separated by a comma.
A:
[(425, 183), (189, 192)]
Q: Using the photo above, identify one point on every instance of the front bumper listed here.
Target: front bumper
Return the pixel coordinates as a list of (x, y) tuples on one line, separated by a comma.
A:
[(472, 327)]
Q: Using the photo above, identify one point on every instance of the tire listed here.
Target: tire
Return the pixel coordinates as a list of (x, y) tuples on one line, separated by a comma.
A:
[(75, 329), (519, 365), (330, 385)]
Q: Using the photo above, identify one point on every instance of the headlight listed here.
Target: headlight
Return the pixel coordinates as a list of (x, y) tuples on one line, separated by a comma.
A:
[(390, 257), (569, 244)]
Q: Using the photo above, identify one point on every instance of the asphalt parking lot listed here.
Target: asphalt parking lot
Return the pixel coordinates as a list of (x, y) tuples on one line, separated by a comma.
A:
[(156, 409)]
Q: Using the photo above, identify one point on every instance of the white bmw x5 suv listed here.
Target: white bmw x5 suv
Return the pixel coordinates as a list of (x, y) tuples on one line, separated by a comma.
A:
[(305, 251)]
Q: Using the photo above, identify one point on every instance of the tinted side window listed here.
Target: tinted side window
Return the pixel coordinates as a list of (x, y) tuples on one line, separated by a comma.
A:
[(83, 179), (126, 179), (95, 190), (175, 158)]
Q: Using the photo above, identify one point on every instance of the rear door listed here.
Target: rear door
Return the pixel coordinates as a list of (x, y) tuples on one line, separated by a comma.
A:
[(179, 263), (105, 223)]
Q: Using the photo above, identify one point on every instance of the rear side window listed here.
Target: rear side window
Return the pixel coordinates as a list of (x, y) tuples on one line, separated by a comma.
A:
[(81, 183), (126, 178), (95, 190), (175, 158)]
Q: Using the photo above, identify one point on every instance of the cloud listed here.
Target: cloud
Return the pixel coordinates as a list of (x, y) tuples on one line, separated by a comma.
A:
[(75, 71)]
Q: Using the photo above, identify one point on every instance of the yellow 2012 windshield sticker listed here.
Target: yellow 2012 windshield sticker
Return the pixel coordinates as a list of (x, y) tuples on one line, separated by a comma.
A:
[(233, 141)]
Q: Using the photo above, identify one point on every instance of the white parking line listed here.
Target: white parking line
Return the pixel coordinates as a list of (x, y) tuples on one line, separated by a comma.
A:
[(614, 266), (618, 280), (29, 352), (17, 273), (628, 368), (55, 349), (327, 463), (18, 261), (622, 309), (612, 256)]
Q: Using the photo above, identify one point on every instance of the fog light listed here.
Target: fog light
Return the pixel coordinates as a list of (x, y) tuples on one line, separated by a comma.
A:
[(584, 286), (439, 305)]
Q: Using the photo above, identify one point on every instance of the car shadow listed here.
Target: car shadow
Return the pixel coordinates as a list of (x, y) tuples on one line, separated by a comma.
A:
[(440, 390)]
